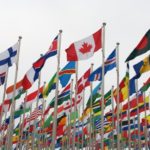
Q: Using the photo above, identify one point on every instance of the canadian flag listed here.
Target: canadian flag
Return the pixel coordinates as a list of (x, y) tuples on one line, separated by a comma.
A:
[(85, 48)]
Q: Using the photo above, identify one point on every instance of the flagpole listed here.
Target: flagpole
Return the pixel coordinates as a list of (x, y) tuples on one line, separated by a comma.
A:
[(118, 112), (146, 142), (113, 123), (91, 110), (129, 130), (82, 118), (103, 83), (13, 99), (70, 126), (138, 114), (4, 93), (21, 127), (43, 116), (75, 107), (37, 102), (56, 93)]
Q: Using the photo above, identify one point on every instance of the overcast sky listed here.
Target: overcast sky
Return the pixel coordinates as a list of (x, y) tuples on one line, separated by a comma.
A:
[(38, 22)]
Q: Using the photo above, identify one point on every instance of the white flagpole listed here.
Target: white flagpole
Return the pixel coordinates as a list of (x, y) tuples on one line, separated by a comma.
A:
[(71, 93), (56, 93), (11, 123), (118, 105), (103, 84), (75, 104), (138, 115), (113, 122), (129, 130), (4, 93), (37, 102), (146, 142), (21, 130), (91, 110), (83, 119)]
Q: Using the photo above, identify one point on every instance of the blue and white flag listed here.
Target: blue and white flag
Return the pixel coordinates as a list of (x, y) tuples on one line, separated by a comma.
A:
[(8, 57), (109, 64)]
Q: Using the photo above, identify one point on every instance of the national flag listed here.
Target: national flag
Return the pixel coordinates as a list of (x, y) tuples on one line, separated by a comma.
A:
[(50, 86), (8, 57), (142, 66), (32, 97), (83, 81), (33, 73), (2, 78), (141, 48), (123, 87), (145, 86), (34, 115), (85, 48), (96, 93), (18, 92), (109, 64), (66, 72), (64, 96)]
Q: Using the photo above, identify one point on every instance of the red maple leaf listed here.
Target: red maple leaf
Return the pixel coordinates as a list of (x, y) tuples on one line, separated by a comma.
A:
[(85, 48)]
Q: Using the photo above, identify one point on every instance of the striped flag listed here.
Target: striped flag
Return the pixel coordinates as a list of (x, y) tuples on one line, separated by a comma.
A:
[(33, 73), (109, 64)]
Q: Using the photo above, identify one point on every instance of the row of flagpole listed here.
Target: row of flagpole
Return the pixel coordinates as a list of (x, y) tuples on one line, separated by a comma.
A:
[(54, 128)]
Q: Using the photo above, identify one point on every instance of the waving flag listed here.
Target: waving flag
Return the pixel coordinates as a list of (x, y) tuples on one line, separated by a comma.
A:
[(33, 73), (66, 72), (145, 86), (8, 57), (85, 48), (109, 64), (2, 78), (83, 81), (142, 66), (18, 92), (141, 48)]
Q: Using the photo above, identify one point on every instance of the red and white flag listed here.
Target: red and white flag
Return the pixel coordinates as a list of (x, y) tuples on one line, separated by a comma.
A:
[(83, 81), (85, 48)]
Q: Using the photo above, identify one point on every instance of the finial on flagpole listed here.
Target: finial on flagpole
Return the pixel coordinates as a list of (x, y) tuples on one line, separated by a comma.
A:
[(60, 31), (20, 37), (104, 23), (118, 43)]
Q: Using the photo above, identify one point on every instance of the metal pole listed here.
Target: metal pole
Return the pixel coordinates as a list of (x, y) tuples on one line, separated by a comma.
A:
[(146, 142), (11, 123), (56, 93), (129, 130), (138, 115), (91, 110), (118, 110), (75, 105), (113, 123), (103, 83)]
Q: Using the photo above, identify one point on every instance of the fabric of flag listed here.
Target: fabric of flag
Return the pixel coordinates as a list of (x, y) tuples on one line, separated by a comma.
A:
[(32, 97), (145, 86), (50, 86), (85, 48), (141, 48), (33, 73), (96, 93), (83, 81), (34, 115), (109, 64), (2, 78), (66, 72), (18, 92), (8, 57), (142, 66), (124, 91)]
